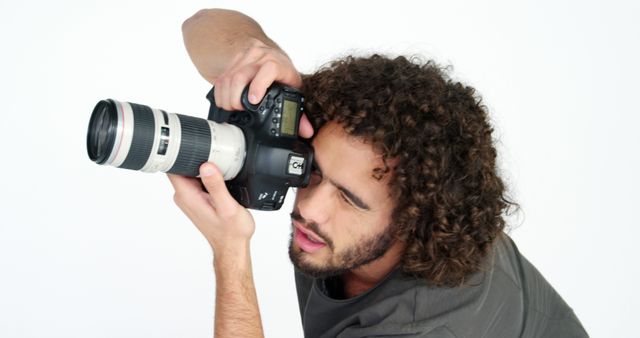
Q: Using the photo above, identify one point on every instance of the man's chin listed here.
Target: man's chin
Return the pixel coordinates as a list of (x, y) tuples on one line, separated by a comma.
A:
[(306, 264)]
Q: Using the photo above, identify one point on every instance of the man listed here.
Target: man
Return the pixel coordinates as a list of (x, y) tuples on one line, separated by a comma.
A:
[(400, 231)]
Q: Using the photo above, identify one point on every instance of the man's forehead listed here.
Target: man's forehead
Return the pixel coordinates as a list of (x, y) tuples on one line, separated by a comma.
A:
[(334, 138), (334, 133)]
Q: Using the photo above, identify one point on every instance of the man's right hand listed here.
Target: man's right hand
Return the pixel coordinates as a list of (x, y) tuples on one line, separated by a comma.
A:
[(258, 66), (231, 51)]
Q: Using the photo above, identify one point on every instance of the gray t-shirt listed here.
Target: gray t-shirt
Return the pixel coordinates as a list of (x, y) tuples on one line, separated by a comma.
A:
[(509, 298)]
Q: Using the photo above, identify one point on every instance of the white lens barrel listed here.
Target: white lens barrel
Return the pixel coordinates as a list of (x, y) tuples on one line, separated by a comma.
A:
[(228, 156), (124, 135), (164, 160), (152, 140)]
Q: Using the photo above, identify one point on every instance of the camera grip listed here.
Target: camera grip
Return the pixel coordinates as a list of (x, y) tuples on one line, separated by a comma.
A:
[(220, 115), (216, 114)]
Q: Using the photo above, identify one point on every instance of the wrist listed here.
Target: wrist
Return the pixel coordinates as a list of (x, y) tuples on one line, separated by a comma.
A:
[(231, 251), (232, 264)]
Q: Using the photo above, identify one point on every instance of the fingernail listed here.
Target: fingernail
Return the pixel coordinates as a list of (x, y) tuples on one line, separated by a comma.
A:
[(206, 170), (253, 99)]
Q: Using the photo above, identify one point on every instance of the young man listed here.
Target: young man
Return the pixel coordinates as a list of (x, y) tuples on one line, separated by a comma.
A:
[(400, 231)]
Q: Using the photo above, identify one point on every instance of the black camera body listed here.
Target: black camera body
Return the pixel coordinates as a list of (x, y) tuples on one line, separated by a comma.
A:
[(276, 158)]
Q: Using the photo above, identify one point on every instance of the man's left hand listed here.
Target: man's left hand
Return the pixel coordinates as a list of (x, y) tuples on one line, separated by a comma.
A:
[(218, 216)]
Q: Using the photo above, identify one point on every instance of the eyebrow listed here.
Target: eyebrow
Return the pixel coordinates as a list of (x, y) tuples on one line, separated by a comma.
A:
[(353, 197)]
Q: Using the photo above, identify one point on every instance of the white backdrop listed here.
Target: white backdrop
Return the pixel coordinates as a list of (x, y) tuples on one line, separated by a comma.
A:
[(92, 251)]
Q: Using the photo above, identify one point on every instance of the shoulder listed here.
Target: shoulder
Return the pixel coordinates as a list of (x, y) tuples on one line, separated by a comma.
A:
[(507, 296), (545, 313)]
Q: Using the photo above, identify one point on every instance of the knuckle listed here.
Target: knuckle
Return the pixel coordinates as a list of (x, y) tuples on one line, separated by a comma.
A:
[(222, 81), (254, 52), (270, 65), (238, 79), (230, 211)]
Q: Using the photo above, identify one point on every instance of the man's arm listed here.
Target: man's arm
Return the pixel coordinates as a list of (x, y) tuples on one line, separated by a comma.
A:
[(237, 313), (214, 37), (230, 50), (228, 228)]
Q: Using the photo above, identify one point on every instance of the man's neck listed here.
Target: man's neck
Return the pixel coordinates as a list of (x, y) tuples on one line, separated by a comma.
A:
[(365, 277)]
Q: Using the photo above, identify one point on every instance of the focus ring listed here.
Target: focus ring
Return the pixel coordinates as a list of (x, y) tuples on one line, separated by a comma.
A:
[(142, 142), (194, 146)]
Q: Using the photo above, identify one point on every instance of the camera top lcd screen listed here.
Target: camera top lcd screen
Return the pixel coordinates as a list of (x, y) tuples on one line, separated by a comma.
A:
[(288, 126)]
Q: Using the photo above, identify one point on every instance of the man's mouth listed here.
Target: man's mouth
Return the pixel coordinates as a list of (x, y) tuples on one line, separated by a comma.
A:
[(306, 239)]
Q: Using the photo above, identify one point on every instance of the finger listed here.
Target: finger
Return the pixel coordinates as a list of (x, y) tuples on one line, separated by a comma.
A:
[(265, 76), (189, 196), (182, 184), (237, 77), (291, 78), (220, 92), (240, 79), (226, 95), (220, 197), (250, 56), (305, 129)]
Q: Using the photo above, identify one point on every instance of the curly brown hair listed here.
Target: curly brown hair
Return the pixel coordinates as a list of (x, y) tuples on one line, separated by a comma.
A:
[(450, 199)]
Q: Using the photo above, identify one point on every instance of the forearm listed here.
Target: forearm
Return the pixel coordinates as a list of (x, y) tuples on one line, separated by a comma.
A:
[(213, 37), (237, 313)]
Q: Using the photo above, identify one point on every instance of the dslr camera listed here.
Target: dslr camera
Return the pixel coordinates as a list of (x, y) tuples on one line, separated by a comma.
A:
[(257, 149)]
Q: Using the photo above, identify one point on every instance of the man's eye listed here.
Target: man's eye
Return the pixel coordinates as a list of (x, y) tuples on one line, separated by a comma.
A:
[(347, 200)]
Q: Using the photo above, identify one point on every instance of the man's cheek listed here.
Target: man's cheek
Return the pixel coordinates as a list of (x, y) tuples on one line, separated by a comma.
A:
[(347, 237)]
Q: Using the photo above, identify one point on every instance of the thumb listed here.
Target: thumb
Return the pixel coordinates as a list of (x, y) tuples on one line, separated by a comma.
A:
[(220, 197)]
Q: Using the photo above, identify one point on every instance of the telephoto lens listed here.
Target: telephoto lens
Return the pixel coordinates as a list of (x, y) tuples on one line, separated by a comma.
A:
[(258, 149), (134, 136)]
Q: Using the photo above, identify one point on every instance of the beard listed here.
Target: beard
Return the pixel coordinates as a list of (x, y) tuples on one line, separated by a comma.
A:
[(359, 254)]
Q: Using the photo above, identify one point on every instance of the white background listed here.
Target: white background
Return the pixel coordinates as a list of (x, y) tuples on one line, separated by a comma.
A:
[(93, 251)]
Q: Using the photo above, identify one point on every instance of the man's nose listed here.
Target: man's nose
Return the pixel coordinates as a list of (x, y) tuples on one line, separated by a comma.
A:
[(315, 202)]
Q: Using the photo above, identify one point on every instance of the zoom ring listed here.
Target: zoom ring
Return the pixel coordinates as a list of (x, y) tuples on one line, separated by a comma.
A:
[(194, 146), (142, 142)]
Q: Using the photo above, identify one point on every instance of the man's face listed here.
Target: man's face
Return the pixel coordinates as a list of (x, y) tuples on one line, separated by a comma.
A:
[(342, 219)]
